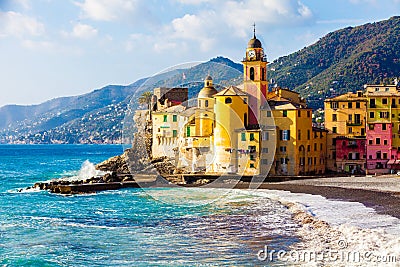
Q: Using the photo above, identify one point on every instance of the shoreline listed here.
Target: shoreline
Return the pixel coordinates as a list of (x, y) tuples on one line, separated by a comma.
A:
[(380, 193)]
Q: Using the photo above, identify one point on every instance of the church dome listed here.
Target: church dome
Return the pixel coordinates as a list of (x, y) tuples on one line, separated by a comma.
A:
[(208, 90), (254, 43)]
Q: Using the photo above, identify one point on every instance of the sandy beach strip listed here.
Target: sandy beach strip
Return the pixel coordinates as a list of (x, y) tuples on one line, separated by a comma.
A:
[(382, 193)]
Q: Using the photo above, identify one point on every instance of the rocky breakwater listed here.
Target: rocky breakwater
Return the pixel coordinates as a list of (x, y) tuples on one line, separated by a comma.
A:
[(134, 168)]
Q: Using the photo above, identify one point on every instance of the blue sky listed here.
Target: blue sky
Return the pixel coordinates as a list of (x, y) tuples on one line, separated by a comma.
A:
[(53, 48)]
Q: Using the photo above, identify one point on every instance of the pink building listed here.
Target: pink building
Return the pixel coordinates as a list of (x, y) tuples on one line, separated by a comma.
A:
[(379, 146), (351, 155)]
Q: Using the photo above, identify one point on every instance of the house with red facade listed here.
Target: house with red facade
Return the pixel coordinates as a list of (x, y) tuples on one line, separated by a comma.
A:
[(379, 146), (351, 155)]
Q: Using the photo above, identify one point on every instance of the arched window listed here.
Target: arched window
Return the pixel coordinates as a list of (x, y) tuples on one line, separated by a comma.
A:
[(206, 103), (228, 100), (252, 73)]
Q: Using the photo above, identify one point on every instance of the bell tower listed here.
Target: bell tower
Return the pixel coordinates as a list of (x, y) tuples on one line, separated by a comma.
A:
[(255, 78)]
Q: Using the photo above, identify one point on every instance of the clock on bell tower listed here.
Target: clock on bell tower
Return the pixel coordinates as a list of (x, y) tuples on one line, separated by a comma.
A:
[(255, 77)]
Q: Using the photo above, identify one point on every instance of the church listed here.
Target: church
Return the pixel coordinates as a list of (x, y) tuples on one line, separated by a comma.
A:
[(248, 130)]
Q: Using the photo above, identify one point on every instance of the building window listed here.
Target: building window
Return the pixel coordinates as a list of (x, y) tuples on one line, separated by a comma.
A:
[(308, 114), (206, 103), (265, 150), (165, 118), (284, 113), (299, 135), (350, 105), (228, 100), (384, 127), (334, 105), (362, 131), (384, 101), (174, 118), (372, 103), (266, 136), (268, 113), (308, 135), (320, 147), (350, 130), (252, 137), (282, 149), (252, 73), (188, 131), (334, 117), (264, 162), (385, 142), (370, 142), (174, 133), (384, 115), (358, 105), (285, 135), (243, 137), (378, 155), (385, 155), (315, 146), (308, 148), (245, 100), (252, 157), (378, 141), (299, 113), (334, 129), (252, 165), (372, 114)]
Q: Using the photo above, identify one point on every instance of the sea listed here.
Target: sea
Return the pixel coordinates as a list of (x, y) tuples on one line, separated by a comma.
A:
[(179, 227)]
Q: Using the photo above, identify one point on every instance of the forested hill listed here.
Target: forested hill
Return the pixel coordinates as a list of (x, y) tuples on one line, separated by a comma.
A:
[(342, 61)]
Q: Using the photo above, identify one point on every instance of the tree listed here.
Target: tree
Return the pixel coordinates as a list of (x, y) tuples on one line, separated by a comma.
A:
[(145, 98)]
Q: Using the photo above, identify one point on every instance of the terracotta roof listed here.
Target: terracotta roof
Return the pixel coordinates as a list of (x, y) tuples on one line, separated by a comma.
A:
[(231, 91)]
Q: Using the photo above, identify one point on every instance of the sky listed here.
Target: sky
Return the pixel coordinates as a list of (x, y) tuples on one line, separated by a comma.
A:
[(54, 48)]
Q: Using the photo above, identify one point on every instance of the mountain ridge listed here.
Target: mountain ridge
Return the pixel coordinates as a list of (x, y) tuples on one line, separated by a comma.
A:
[(341, 61)]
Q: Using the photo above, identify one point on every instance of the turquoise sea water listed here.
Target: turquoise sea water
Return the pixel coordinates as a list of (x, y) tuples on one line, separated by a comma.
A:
[(127, 227)]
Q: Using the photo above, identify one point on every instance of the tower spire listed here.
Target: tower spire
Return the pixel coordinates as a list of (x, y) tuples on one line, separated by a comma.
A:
[(254, 30)]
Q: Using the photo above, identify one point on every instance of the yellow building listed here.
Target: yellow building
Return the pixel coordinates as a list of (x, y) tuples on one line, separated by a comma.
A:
[(345, 116), (300, 148), (231, 111), (242, 132)]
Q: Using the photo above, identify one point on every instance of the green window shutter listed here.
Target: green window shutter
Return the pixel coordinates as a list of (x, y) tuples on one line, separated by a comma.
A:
[(188, 131), (165, 118), (174, 118), (243, 136)]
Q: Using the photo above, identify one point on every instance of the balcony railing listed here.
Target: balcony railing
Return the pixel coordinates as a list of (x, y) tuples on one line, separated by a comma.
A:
[(354, 123)]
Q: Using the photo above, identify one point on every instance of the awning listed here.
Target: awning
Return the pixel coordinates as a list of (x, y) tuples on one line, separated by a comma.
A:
[(393, 162)]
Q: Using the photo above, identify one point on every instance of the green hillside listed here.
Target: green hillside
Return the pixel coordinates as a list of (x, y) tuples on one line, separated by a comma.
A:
[(342, 61)]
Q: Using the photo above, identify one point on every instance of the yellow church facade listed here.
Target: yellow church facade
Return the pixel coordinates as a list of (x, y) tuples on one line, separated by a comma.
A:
[(245, 131)]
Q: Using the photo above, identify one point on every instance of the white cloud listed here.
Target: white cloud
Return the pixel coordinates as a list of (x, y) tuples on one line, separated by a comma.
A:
[(106, 10), (83, 31), (16, 24), (240, 15), (38, 45)]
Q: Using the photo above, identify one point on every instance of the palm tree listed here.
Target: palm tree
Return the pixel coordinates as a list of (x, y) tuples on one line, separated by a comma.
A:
[(145, 98)]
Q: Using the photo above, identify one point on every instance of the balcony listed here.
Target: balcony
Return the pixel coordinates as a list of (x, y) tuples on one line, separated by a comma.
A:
[(355, 123)]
